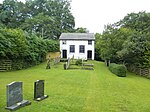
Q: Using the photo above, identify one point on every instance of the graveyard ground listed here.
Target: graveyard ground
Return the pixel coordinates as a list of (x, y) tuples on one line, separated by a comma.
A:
[(80, 90)]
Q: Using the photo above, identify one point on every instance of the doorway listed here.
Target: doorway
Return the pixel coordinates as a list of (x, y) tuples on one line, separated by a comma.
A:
[(89, 54), (64, 53)]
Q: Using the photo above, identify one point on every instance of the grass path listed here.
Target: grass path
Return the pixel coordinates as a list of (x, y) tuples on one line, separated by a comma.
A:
[(80, 90)]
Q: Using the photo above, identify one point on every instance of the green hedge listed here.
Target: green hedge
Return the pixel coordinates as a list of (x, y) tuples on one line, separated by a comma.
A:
[(24, 49), (119, 70)]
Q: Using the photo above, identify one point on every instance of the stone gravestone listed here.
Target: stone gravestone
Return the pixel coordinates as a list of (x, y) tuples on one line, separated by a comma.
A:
[(48, 64), (39, 90), (15, 96)]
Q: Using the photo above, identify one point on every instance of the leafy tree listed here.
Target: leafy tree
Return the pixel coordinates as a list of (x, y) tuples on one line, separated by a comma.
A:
[(111, 42), (127, 40), (58, 10), (51, 17), (13, 43), (136, 46), (137, 21), (81, 30), (146, 56), (97, 46), (43, 25), (12, 13)]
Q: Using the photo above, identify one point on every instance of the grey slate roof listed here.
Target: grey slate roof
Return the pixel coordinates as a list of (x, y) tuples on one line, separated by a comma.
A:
[(77, 36)]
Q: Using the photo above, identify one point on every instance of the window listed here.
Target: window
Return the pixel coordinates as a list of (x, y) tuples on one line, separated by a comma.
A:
[(72, 48), (81, 49), (64, 42), (89, 42)]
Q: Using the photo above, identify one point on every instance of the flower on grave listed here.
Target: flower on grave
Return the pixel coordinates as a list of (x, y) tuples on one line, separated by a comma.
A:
[(19, 103), (38, 98)]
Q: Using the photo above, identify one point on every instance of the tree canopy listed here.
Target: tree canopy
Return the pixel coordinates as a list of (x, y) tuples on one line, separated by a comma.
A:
[(47, 18), (127, 41)]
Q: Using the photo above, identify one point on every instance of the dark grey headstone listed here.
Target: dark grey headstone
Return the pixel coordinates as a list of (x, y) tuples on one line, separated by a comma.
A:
[(39, 90), (15, 96)]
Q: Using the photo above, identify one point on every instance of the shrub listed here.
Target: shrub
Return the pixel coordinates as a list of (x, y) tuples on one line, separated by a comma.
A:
[(24, 49), (79, 62), (119, 70)]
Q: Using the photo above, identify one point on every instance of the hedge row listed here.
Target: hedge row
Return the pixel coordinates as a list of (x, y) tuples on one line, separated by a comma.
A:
[(24, 49), (119, 70)]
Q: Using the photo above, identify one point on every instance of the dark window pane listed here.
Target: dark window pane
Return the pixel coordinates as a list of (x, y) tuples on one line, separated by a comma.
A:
[(89, 42), (72, 48), (81, 48)]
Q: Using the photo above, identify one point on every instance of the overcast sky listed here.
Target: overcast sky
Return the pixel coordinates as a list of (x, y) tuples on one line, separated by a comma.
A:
[(94, 14)]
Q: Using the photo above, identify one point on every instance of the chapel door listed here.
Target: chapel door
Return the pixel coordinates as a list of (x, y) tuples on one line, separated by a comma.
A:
[(64, 54), (89, 54)]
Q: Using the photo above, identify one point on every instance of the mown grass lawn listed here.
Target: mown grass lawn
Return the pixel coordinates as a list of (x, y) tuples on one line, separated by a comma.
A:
[(80, 90)]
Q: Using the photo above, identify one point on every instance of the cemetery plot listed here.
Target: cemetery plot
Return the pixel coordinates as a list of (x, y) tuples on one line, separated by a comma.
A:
[(78, 64), (88, 66), (15, 96)]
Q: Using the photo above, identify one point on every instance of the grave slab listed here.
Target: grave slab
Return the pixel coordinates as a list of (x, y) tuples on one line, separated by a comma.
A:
[(15, 96)]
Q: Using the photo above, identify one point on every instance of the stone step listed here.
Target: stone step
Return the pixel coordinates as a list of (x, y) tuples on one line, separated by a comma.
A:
[(91, 65)]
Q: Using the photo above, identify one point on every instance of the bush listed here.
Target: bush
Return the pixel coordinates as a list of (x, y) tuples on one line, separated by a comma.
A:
[(119, 70), (79, 62), (24, 49)]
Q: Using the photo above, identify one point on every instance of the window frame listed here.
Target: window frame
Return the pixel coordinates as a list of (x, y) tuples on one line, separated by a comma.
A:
[(81, 48), (89, 42), (72, 48)]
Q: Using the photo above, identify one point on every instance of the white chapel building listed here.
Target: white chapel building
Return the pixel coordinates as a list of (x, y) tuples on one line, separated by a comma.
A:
[(77, 45)]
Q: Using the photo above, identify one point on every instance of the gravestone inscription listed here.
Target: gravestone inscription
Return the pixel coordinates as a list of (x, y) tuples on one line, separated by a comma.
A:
[(15, 96), (39, 90)]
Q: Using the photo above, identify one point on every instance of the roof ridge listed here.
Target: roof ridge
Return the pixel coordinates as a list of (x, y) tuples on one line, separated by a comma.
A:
[(77, 36)]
